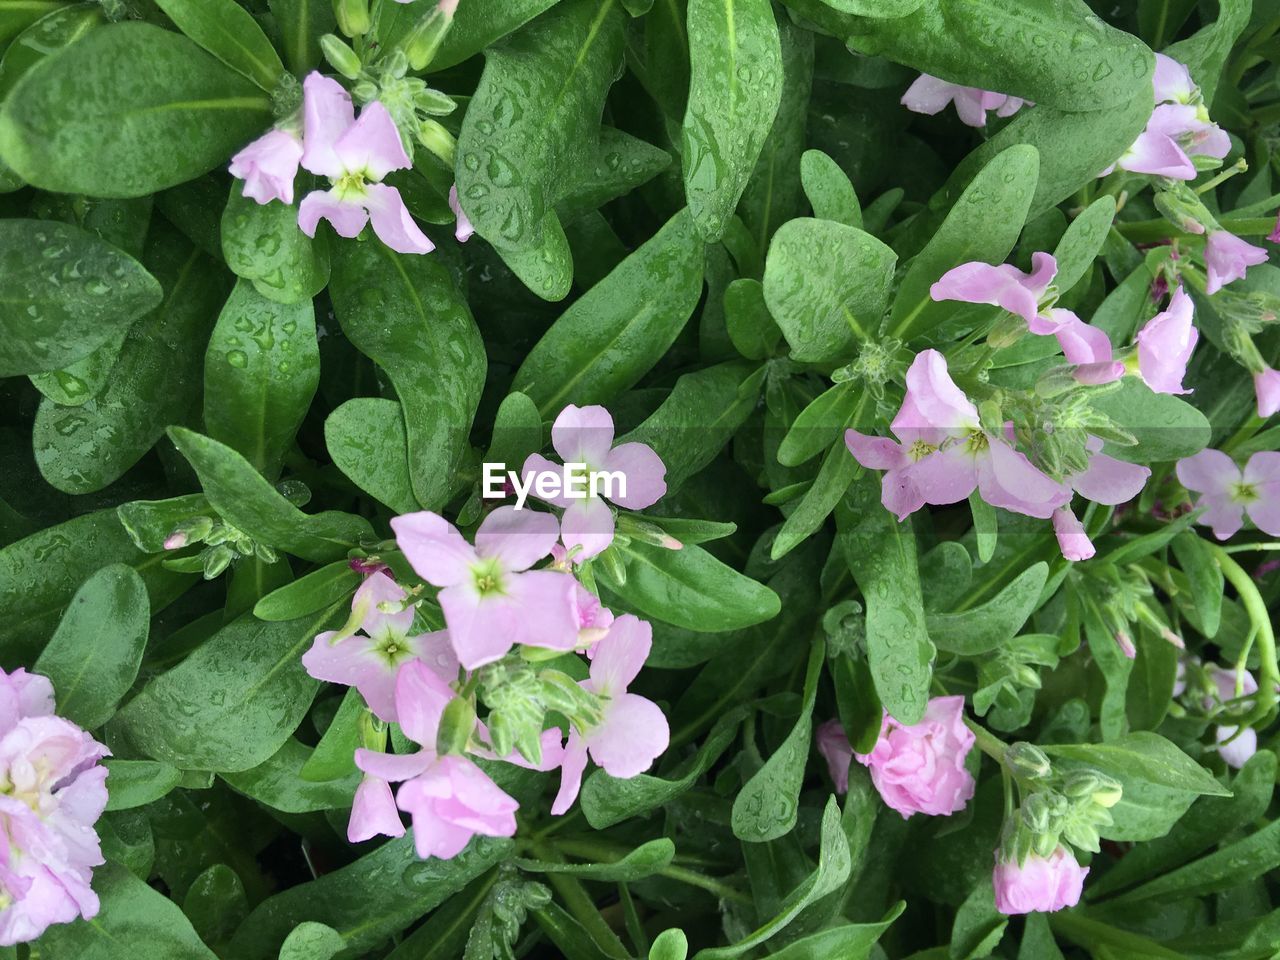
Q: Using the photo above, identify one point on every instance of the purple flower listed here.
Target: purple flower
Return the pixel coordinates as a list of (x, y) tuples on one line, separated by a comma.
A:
[(1227, 493), (1086, 347), (1165, 345), (632, 731), (920, 768), (836, 750), (944, 454), (1157, 154), (929, 95), (584, 435), (1230, 685), (1039, 884), (1266, 386), (448, 798), (54, 793), (355, 155), (1105, 480), (1172, 81), (464, 230), (1002, 285), (1072, 540), (369, 660), (1228, 257), (374, 812), (268, 166), (490, 598)]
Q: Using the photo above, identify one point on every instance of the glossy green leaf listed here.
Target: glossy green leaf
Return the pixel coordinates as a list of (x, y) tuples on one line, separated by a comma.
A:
[(230, 33), (312, 941), (277, 783), (644, 861), (984, 628), (301, 24), (619, 329), (1196, 559), (850, 941), (367, 441), (103, 116), (735, 87), (1252, 856), (261, 370), (406, 314), (1166, 427), (309, 594), (821, 423), (95, 653), (751, 328), (334, 756), (830, 193), (262, 243), (16, 17), (246, 500), (135, 783), (59, 28), (669, 945), (1146, 756), (63, 294), (827, 285), (1082, 242)]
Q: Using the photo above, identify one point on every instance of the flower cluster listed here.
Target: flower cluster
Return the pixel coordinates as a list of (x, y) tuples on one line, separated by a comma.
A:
[(516, 629), (1229, 492), (929, 95), (1179, 128), (52, 792)]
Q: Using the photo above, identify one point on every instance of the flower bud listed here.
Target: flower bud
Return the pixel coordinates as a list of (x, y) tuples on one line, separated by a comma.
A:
[(1028, 760), (353, 16), (457, 723), (438, 140), (423, 41), (340, 56), (217, 560), (435, 102), (1081, 783)]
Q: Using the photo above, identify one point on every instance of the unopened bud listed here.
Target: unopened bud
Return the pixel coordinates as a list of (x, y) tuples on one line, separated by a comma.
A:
[(194, 530), (1109, 792), (217, 560), (340, 56), (1080, 784), (1035, 814), (434, 102), (1125, 643), (1028, 760), (457, 723), (438, 140), (423, 41), (353, 16)]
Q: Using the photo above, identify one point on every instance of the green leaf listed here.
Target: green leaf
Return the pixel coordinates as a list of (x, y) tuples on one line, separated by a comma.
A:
[(476, 26), (230, 33), (1205, 53), (334, 756), (309, 594), (262, 243), (608, 800), (978, 927), (1234, 864), (735, 87), (16, 17), (33, 595), (1166, 427), (368, 900), (261, 370), (881, 554), (367, 441), (983, 224), (986, 526), (833, 479), (1144, 756), (669, 945), (533, 123), (1205, 579), (216, 903), (312, 941), (827, 285), (617, 331), (689, 588), (767, 806), (150, 522), (820, 424), (154, 383), (233, 702), (134, 921), (63, 294), (849, 941), (1083, 241), (830, 193), (135, 783), (129, 110), (751, 328), (834, 864), (277, 782), (248, 502), (301, 24), (984, 628), (644, 861), (95, 653), (406, 314)]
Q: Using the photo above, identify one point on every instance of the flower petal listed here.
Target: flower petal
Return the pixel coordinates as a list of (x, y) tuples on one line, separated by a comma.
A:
[(435, 549), (327, 115), (619, 657), (347, 216), (587, 524), (372, 145), (517, 539), (1007, 479), (583, 434), (645, 475), (1210, 472), (632, 735), (572, 766), (392, 221), (421, 697)]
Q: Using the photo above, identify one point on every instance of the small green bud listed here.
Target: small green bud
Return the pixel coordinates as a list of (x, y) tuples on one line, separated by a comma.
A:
[(364, 91), (1028, 760), (423, 41), (353, 16), (438, 140), (434, 102), (457, 723), (216, 560), (1080, 784), (340, 56)]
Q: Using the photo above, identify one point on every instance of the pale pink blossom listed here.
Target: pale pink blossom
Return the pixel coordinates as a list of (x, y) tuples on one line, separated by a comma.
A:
[(1072, 539), (1125, 643), (594, 619), (374, 812), (1039, 884), (369, 659), (929, 95), (1227, 257), (464, 230), (1087, 348), (1266, 386), (1105, 480), (944, 454), (836, 750), (1227, 492), (491, 600), (1165, 345), (632, 731), (1172, 81), (1236, 750), (920, 768), (584, 435), (268, 166), (355, 155), (449, 799)]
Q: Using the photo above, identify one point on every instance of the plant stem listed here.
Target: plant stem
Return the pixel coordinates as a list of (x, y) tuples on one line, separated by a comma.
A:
[(1150, 231), (1256, 607), (987, 741)]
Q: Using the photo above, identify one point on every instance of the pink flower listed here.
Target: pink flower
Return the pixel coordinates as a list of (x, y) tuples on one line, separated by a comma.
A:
[(594, 619), (1178, 129), (944, 454), (448, 798), (1072, 540), (1227, 493), (1274, 235), (1088, 348), (370, 659), (1266, 386), (929, 95), (584, 435), (1172, 81), (1190, 128), (490, 598), (355, 155), (374, 812), (632, 731), (1105, 480), (1159, 155), (1165, 345), (1039, 885), (54, 793), (1236, 750), (920, 768), (464, 231), (1003, 285), (835, 749), (1228, 257), (268, 166)]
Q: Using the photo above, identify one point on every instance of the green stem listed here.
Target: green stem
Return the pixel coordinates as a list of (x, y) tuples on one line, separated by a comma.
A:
[(710, 884), (1251, 547), (1151, 231), (1256, 608), (583, 909), (987, 741)]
